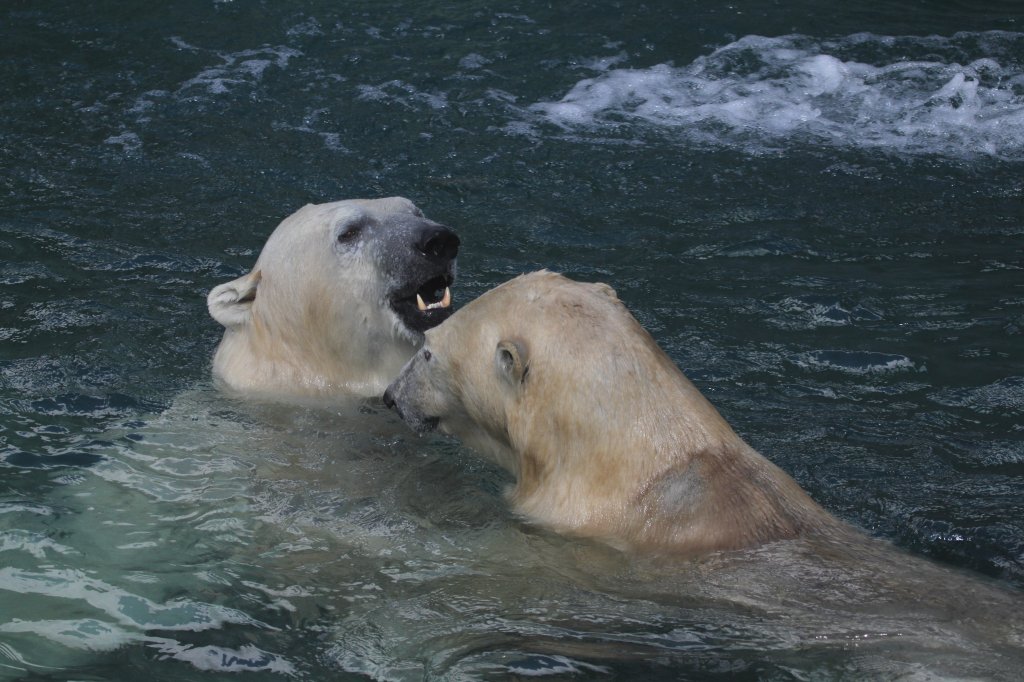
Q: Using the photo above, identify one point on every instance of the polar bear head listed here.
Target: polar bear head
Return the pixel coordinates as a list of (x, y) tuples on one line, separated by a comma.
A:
[(337, 301), (537, 360)]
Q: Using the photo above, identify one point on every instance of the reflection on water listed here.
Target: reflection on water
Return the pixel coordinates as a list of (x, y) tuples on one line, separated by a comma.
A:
[(213, 533)]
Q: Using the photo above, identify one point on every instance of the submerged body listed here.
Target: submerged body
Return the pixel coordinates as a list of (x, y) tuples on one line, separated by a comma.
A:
[(607, 438), (337, 301)]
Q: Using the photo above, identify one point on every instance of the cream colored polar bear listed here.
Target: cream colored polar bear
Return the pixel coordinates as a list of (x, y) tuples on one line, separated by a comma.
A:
[(606, 437), (337, 302)]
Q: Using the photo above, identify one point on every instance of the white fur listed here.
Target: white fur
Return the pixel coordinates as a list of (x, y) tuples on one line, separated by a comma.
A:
[(312, 318), (557, 382)]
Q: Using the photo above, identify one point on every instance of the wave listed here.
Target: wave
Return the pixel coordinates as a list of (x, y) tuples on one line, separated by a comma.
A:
[(961, 96), (854, 362)]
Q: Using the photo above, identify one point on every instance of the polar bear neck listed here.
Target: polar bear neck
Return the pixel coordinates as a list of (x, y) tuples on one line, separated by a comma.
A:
[(651, 463), (301, 353), (578, 470), (664, 484)]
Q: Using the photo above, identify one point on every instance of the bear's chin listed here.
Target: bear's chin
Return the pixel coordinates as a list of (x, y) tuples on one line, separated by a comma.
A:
[(417, 321)]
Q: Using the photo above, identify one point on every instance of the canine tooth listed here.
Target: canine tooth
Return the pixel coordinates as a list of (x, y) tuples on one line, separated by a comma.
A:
[(443, 303)]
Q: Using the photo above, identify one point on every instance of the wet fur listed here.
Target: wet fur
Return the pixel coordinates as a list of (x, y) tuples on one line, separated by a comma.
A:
[(605, 435), (313, 318)]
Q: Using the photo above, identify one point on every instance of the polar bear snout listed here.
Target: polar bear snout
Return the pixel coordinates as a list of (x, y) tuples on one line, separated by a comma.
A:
[(394, 399), (419, 255)]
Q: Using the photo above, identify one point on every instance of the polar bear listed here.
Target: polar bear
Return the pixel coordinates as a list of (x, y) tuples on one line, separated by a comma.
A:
[(337, 301), (606, 437)]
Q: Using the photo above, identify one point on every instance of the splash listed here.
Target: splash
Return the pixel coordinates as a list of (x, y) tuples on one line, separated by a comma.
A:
[(957, 97)]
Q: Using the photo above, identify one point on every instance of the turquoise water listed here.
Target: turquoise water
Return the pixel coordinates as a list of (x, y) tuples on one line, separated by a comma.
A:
[(817, 211)]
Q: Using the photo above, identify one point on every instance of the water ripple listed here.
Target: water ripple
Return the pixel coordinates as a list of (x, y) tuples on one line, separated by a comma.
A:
[(854, 362)]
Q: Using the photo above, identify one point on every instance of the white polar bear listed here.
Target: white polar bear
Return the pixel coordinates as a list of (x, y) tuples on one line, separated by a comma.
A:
[(607, 438), (337, 301)]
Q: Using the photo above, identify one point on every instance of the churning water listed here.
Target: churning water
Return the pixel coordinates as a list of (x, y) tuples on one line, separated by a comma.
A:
[(818, 212), (862, 91)]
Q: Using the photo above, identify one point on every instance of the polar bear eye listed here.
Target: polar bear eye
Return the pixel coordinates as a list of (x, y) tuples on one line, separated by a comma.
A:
[(349, 233), (427, 355)]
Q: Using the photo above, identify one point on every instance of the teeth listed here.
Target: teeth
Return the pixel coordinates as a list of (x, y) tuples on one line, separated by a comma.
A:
[(443, 303)]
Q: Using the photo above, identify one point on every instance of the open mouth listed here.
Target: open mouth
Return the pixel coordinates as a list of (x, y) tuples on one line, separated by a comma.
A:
[(426, 306), (435, 294)]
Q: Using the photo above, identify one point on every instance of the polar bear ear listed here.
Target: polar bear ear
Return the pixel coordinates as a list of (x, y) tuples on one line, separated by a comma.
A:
[(604, 290), (231, 303), (512, 360)]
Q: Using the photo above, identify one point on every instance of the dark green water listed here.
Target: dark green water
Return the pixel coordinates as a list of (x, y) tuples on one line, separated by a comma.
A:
[(818, 212)]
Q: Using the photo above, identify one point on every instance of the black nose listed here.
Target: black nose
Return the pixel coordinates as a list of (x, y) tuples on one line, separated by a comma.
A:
[(389, 402), (437, 242)]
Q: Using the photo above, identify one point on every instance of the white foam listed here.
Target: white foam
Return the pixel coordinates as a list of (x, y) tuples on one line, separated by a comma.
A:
[(238, 69), (129, 141), (961, 96), (403, 93), (854, 362)]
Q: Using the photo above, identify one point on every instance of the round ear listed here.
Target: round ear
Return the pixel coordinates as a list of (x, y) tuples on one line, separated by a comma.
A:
[(604, 290), (231, 303), (512, 359)]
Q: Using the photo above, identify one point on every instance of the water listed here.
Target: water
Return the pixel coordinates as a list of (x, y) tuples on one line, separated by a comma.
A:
[(818, 212), (777, 90)]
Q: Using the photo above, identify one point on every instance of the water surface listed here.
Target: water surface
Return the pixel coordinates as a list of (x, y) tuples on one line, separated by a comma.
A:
[(817, 211)]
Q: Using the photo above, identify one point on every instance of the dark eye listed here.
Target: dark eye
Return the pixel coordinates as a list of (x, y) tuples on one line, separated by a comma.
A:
[(349, 233), (427, 355)]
